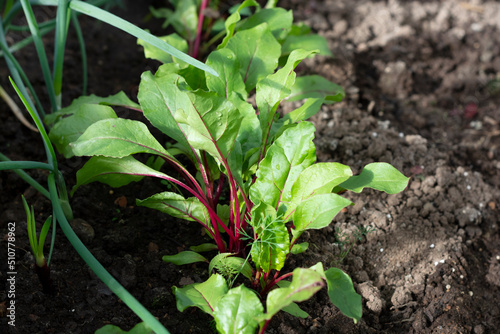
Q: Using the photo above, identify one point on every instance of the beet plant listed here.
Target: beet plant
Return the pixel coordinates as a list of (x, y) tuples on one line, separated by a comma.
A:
[(247, 174)]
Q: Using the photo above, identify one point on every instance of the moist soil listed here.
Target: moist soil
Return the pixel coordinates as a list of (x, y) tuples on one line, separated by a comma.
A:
[(422, 93)]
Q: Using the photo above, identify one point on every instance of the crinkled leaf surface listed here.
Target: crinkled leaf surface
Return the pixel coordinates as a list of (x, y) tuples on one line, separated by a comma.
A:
[(285, 159), (305, 283), (316, 179), (237, 311), (269, 250), (226, 264), (69, 129), (177, 206), (257, 51), (115, 172), (229, 80), (204, 295), (342, 293), (117, 137), (379, 176), (197, 120), (315, 86), (119, 99), (185, 257)]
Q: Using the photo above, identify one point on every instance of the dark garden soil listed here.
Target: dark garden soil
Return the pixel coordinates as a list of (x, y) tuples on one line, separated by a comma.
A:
[(422, 80)]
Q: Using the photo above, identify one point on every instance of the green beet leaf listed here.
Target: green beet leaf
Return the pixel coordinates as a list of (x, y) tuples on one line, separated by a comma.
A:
[(286, 158), (177, 206), (117, 138), (184, 19), (310, 107), (115, 172), (204, 295), (69, 129), (317, 212), (342, 293), (207, 247), (307, 42), (230, 266), (305, 283), (299, 248), (379, 176), (185, 257), (197, 120), (229, 80), (155, 53), (315, 86), (278, 19), (120, 99), (237, 311), (274, 88), (234, 18), (257, 51), (292, 308), (316, 179)]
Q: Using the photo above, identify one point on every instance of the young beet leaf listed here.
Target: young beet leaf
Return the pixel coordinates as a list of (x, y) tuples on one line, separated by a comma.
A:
[(251, 180)]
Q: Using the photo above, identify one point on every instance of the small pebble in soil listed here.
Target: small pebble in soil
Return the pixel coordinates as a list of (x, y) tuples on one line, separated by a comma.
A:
[(432, 246), (448, 287), (471, 293), (374, 134), (468, 187), (401, 135), (465, 173), (381, 250)]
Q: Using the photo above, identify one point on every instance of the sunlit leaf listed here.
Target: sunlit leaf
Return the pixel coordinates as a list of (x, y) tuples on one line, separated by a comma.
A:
[(379, 176), (185, 257), (237, 311), (257, 51), (69, 129), (204, 295)]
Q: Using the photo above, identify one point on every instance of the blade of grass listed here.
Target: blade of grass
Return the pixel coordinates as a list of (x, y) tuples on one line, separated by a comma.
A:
[(42, 56), (17, 73), (83, 51), (97, 267), (51, 154), (28, 40), (31, 181), (135, 31), (62, 22)]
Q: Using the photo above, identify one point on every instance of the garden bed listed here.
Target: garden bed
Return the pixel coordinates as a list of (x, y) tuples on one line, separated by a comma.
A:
[(419, 79)]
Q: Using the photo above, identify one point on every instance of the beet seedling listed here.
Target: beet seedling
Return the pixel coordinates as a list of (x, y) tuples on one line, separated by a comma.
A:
[(263, 161)]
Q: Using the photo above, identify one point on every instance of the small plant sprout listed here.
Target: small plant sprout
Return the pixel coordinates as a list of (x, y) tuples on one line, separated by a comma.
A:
[(246, 173), (41, 265)]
